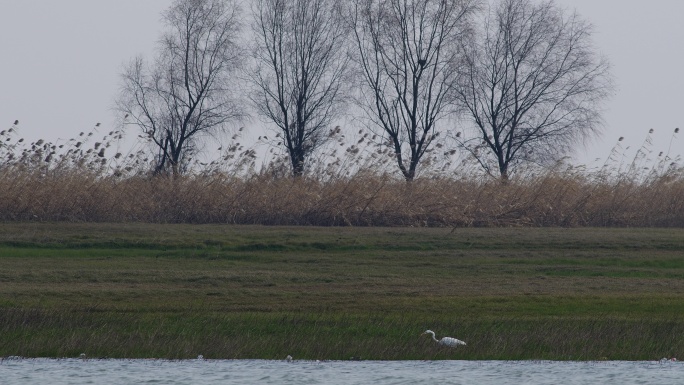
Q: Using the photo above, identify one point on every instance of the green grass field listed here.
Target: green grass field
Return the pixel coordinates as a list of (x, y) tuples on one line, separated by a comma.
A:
[(177, 291)]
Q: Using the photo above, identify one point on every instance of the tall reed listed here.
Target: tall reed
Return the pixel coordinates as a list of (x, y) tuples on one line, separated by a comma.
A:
[(92, 180)]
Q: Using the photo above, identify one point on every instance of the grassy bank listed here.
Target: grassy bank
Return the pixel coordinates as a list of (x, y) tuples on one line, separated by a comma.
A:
[(176, 291)]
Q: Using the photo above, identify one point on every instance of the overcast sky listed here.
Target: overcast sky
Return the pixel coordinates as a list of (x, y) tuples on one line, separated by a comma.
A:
[(61, 62)]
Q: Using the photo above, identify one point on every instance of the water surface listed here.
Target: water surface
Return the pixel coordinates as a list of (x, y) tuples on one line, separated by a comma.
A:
[(110, 371)]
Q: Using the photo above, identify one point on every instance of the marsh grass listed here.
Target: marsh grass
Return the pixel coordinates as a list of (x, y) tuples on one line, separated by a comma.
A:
[(365, 200), (340, 337), (92, 179), (177, 291)]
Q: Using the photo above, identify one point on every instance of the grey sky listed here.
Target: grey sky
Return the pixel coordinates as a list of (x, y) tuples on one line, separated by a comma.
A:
[(62, 59)]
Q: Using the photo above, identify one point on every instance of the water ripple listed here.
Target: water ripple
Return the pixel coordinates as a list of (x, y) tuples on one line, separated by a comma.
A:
[(15, 370)]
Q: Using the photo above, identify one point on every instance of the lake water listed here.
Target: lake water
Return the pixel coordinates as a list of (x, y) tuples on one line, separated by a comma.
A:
[(108, 371)]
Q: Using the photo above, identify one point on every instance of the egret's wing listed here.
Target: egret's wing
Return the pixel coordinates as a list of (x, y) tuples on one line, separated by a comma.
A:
[(448, 341)]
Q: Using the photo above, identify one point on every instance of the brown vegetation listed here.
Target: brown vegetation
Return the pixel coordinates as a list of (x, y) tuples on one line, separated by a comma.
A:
[(83, 180)]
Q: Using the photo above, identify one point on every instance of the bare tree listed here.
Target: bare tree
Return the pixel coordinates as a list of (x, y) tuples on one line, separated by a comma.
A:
[(187, 92), (301, 64), (533, 85), (408, 54)]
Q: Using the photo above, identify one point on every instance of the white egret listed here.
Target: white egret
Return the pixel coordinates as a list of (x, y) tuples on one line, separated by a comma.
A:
[(445, 341)]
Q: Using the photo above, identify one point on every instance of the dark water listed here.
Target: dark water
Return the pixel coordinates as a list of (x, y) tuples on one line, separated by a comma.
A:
[(107, 371)]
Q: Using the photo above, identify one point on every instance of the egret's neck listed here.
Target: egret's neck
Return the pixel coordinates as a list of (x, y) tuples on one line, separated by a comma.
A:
[(433, 336)]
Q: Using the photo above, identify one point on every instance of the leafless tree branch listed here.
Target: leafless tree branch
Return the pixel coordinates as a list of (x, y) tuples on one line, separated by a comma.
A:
[(408, 52), (187, 91), (533, 85), (301, 71)]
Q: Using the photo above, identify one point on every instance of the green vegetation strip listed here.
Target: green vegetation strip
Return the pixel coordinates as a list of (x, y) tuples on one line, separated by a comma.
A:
[(177, 291)]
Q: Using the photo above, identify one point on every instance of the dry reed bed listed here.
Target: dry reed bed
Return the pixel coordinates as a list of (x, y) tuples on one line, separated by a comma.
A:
[(89, 180), (365, 199)]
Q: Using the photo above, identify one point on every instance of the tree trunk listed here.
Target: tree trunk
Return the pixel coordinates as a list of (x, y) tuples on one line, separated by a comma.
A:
[(297, 159)]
